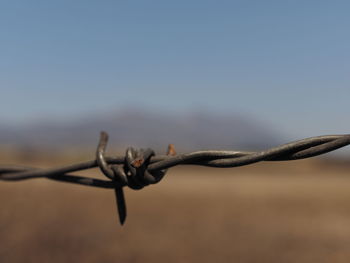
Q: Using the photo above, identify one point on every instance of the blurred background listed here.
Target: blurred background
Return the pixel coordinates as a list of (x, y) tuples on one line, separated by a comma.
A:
[(240, 75)]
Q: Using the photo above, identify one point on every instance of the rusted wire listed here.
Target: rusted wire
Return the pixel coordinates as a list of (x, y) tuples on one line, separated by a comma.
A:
[(141, 167)]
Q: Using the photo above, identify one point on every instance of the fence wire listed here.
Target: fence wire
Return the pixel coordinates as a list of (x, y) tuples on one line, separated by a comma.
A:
[(142, 167)]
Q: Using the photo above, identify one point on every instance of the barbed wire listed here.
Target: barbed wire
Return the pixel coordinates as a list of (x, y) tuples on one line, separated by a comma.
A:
[(141, 167)]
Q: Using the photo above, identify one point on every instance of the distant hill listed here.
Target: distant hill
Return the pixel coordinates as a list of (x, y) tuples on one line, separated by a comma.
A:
[(198, 130)]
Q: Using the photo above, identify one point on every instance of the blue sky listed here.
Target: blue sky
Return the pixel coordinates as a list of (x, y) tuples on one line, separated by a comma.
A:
[(284, 62)]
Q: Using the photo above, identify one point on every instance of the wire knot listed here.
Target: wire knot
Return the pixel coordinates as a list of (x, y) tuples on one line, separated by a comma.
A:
[(133, 173), (135, 168)]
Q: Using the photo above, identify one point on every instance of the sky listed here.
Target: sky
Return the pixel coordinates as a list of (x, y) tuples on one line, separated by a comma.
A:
[(284, 62)]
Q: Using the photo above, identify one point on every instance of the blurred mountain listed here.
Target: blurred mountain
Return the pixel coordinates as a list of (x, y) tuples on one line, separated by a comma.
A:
[(195, 130)]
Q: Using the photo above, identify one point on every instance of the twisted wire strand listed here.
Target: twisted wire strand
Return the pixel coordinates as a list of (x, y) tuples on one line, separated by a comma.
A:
[(139, 168)]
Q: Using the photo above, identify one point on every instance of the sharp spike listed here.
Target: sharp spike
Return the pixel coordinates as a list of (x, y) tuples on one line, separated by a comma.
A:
[(121, 205)]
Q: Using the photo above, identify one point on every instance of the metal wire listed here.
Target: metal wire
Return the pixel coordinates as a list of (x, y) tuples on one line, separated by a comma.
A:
[(141, 167)]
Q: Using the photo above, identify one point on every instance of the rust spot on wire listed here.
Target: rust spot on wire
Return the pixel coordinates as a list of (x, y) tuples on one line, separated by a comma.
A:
[(171, 150), (137, 162)]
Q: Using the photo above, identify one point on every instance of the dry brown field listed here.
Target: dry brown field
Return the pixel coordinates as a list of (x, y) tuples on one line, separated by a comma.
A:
[(271, 212)]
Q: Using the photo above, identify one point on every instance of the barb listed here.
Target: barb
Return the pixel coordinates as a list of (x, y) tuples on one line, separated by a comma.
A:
[(141, 167)]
